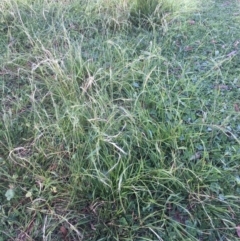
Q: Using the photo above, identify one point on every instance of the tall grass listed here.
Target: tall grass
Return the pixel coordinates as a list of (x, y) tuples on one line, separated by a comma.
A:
[(103, 136)]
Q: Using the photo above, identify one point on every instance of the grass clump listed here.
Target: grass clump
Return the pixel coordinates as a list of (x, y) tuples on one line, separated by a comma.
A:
[(149, 13), (115, 132)]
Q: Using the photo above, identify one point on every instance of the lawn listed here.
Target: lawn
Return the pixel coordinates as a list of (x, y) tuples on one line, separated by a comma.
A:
[(119, 120)]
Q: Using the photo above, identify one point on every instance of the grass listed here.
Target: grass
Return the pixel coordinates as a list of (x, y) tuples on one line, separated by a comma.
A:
[(119, 122)]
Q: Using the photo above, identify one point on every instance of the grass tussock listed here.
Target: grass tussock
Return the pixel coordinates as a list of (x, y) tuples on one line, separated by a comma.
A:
[(118, 121)]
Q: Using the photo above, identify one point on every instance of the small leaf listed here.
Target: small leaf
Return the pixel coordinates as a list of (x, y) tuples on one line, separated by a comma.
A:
[(236, 43), (188, 48), (191, 22), (238, 230), (221, 197), (236, 107), (92, 227), (15, 176), (28, 194), (196, 156), (237, 178), (221, 87), (135, 84), (9, 194), (64, 231), (123, 221), (231, 54), (209, 129), (54, 189)]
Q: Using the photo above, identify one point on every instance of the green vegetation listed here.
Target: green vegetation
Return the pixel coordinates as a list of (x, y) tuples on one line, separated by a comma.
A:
[(119, 120)]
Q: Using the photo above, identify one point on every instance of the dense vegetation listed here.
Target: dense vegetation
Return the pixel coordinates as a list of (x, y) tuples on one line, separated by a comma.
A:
[(119, 120)]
